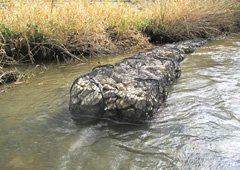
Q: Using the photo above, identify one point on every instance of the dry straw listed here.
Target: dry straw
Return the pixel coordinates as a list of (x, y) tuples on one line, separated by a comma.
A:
[(41, 29)]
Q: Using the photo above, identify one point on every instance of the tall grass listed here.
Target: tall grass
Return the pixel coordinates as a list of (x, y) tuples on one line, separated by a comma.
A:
[(43, 29), (184, 19)]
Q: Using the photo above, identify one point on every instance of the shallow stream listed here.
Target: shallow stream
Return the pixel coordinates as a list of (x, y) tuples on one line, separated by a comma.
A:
[(198, 127)]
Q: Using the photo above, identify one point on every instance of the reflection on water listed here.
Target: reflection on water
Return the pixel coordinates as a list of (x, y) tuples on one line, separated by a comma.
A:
[(197, 128)]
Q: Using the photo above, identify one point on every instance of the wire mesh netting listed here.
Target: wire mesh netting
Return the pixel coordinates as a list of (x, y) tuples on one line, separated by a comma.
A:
[(133, 89)]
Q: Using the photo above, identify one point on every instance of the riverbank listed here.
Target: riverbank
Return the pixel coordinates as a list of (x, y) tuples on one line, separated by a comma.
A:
[(41, 30)]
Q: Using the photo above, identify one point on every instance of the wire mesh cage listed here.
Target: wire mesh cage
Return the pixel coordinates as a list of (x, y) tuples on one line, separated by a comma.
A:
[(131, 90)]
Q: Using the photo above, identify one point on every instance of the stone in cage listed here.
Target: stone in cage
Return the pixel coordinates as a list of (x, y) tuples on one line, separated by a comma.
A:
[(133, 89)]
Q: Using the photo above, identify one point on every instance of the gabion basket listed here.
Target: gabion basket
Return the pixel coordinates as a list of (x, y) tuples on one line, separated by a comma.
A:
[(131, 90)]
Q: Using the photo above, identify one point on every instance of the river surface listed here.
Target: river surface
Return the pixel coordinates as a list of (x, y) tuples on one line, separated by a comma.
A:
[(198, 127)]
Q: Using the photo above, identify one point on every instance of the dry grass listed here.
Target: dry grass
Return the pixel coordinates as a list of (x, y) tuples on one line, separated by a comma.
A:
[(7, 76), (185, 19), (41, 29)]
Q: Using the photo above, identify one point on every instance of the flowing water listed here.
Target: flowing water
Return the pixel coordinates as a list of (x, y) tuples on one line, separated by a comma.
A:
[(198, 127)]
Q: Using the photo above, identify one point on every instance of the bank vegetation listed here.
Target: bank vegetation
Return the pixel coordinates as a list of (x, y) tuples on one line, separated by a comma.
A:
[(33, 30)]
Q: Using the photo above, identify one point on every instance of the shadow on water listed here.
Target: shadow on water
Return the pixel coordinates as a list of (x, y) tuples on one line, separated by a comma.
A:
[(63, 119)]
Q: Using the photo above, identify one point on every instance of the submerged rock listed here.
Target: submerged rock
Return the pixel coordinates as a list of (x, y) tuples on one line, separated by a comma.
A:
[(133, 89)]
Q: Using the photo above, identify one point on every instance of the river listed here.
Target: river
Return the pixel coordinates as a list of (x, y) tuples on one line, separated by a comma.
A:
[(198, 127)]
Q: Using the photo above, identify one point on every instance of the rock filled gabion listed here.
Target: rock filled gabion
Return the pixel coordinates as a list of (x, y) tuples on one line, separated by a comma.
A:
[(133, 89)]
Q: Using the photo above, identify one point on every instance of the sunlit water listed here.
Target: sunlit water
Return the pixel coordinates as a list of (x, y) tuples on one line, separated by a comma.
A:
[(198, 127)]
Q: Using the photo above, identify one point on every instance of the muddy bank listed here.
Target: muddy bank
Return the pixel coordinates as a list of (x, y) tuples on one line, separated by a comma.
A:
[(133, 89)]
